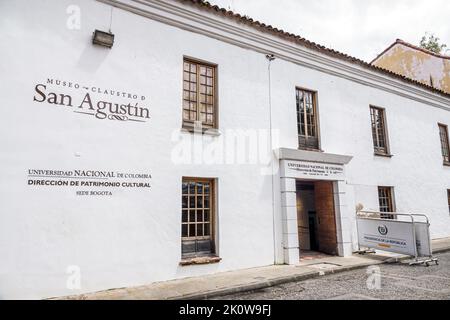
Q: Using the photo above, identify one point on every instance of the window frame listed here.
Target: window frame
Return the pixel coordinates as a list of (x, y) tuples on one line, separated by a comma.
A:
[(315, 96), (385, 152), (391, 202), (445, 128), (191, 125), (448, 199), (212, 220)]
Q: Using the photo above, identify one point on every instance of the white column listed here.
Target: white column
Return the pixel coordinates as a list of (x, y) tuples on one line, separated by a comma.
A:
[(343, 218), (289, 221)]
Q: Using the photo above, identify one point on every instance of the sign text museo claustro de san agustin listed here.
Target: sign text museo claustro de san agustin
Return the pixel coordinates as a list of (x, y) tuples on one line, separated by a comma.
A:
[(130, 111), (101, 109)]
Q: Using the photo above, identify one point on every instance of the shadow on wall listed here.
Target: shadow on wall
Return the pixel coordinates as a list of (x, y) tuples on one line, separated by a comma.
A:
[(92, 56)]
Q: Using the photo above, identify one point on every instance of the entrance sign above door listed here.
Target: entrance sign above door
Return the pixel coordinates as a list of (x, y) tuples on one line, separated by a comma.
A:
[(313, 170), (309, 165)]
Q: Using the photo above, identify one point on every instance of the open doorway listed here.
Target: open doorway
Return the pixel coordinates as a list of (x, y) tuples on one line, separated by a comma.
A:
[(316, 218)]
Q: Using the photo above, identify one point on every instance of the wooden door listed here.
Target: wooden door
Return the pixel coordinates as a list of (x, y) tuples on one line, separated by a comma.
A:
[(326, 219), (302, 219)]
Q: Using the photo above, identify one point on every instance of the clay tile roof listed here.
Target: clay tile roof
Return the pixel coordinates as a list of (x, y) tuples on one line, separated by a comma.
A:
[(400, 41), (205, 5)]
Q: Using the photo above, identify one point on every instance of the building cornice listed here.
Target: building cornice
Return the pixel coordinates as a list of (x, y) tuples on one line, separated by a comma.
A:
[(190, 18)]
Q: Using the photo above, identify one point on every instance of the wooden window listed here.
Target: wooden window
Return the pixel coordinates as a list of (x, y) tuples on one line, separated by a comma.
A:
[(386, 201), (378, 120), (448, 198), (308, 135), (197, 217), (445, 148), (199, 94)]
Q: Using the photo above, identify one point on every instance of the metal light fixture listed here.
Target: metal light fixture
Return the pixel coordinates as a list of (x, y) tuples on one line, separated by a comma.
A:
[(103, 38), (270, 57)]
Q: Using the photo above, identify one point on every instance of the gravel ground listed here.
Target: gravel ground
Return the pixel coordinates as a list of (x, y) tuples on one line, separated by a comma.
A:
[(383, 282)]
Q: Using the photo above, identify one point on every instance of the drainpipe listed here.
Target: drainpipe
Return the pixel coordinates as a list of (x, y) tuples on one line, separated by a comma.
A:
[(270, 58)]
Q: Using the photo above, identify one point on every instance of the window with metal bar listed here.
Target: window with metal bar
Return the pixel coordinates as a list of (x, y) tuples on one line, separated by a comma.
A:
[(378, 120), (199, 94), (308, 137), (448, 198), (445, 148), (386, 201), (197, 217)]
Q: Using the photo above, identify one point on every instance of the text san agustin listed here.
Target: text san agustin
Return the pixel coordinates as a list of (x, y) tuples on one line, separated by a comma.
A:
[(101, 109)]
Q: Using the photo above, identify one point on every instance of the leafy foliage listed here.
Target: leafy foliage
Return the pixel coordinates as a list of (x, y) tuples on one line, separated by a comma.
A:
[(430, 42)]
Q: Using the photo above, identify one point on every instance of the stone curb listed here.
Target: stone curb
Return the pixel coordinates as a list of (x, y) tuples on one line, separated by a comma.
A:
[(443, 249), (278, 281), (246, 287), (295, 278), (268, 283)]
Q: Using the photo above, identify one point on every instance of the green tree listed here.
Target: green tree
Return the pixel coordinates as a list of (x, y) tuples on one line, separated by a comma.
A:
[(430, 42)]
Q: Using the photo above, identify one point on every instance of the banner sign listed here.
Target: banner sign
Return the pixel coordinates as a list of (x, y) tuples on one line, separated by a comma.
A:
[(389, 235)]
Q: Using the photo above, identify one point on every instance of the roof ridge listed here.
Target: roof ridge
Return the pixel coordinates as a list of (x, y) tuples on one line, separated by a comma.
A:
[(307, 43), (443, 56)]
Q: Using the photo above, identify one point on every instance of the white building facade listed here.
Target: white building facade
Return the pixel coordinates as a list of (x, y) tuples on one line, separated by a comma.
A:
[(199, 143)]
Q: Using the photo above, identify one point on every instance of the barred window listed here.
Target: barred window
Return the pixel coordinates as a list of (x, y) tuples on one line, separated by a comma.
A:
[(308, 137), (199, 94), (386, 201), (443, 133), (197, 217), (448, 198), (379, 135)]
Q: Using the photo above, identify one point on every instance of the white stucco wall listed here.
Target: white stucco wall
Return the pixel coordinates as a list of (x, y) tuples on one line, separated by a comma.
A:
[(415, 171), (133, 236)]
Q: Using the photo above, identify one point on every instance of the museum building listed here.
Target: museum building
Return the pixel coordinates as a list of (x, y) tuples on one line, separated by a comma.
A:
[(147, 140)]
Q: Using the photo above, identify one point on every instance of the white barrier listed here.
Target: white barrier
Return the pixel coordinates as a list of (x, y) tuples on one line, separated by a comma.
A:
[(406, 234)]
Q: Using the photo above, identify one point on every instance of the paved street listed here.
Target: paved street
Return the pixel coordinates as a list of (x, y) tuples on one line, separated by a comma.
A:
[(396, 281)]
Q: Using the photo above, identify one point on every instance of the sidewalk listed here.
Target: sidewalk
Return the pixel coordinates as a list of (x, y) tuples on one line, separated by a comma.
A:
[(249, 279)]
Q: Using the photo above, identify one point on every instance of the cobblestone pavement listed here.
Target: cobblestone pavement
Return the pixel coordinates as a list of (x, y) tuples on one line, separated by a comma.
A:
[(387, 281)]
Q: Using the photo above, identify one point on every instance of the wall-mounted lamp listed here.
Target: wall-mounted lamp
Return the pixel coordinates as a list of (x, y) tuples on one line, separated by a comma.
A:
[(103, 38), (270, 57)]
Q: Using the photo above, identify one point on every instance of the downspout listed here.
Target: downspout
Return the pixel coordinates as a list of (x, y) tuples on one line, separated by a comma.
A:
[(270, 58)]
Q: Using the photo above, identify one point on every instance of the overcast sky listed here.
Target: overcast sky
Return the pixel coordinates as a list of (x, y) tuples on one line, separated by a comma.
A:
[(361, 28)]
